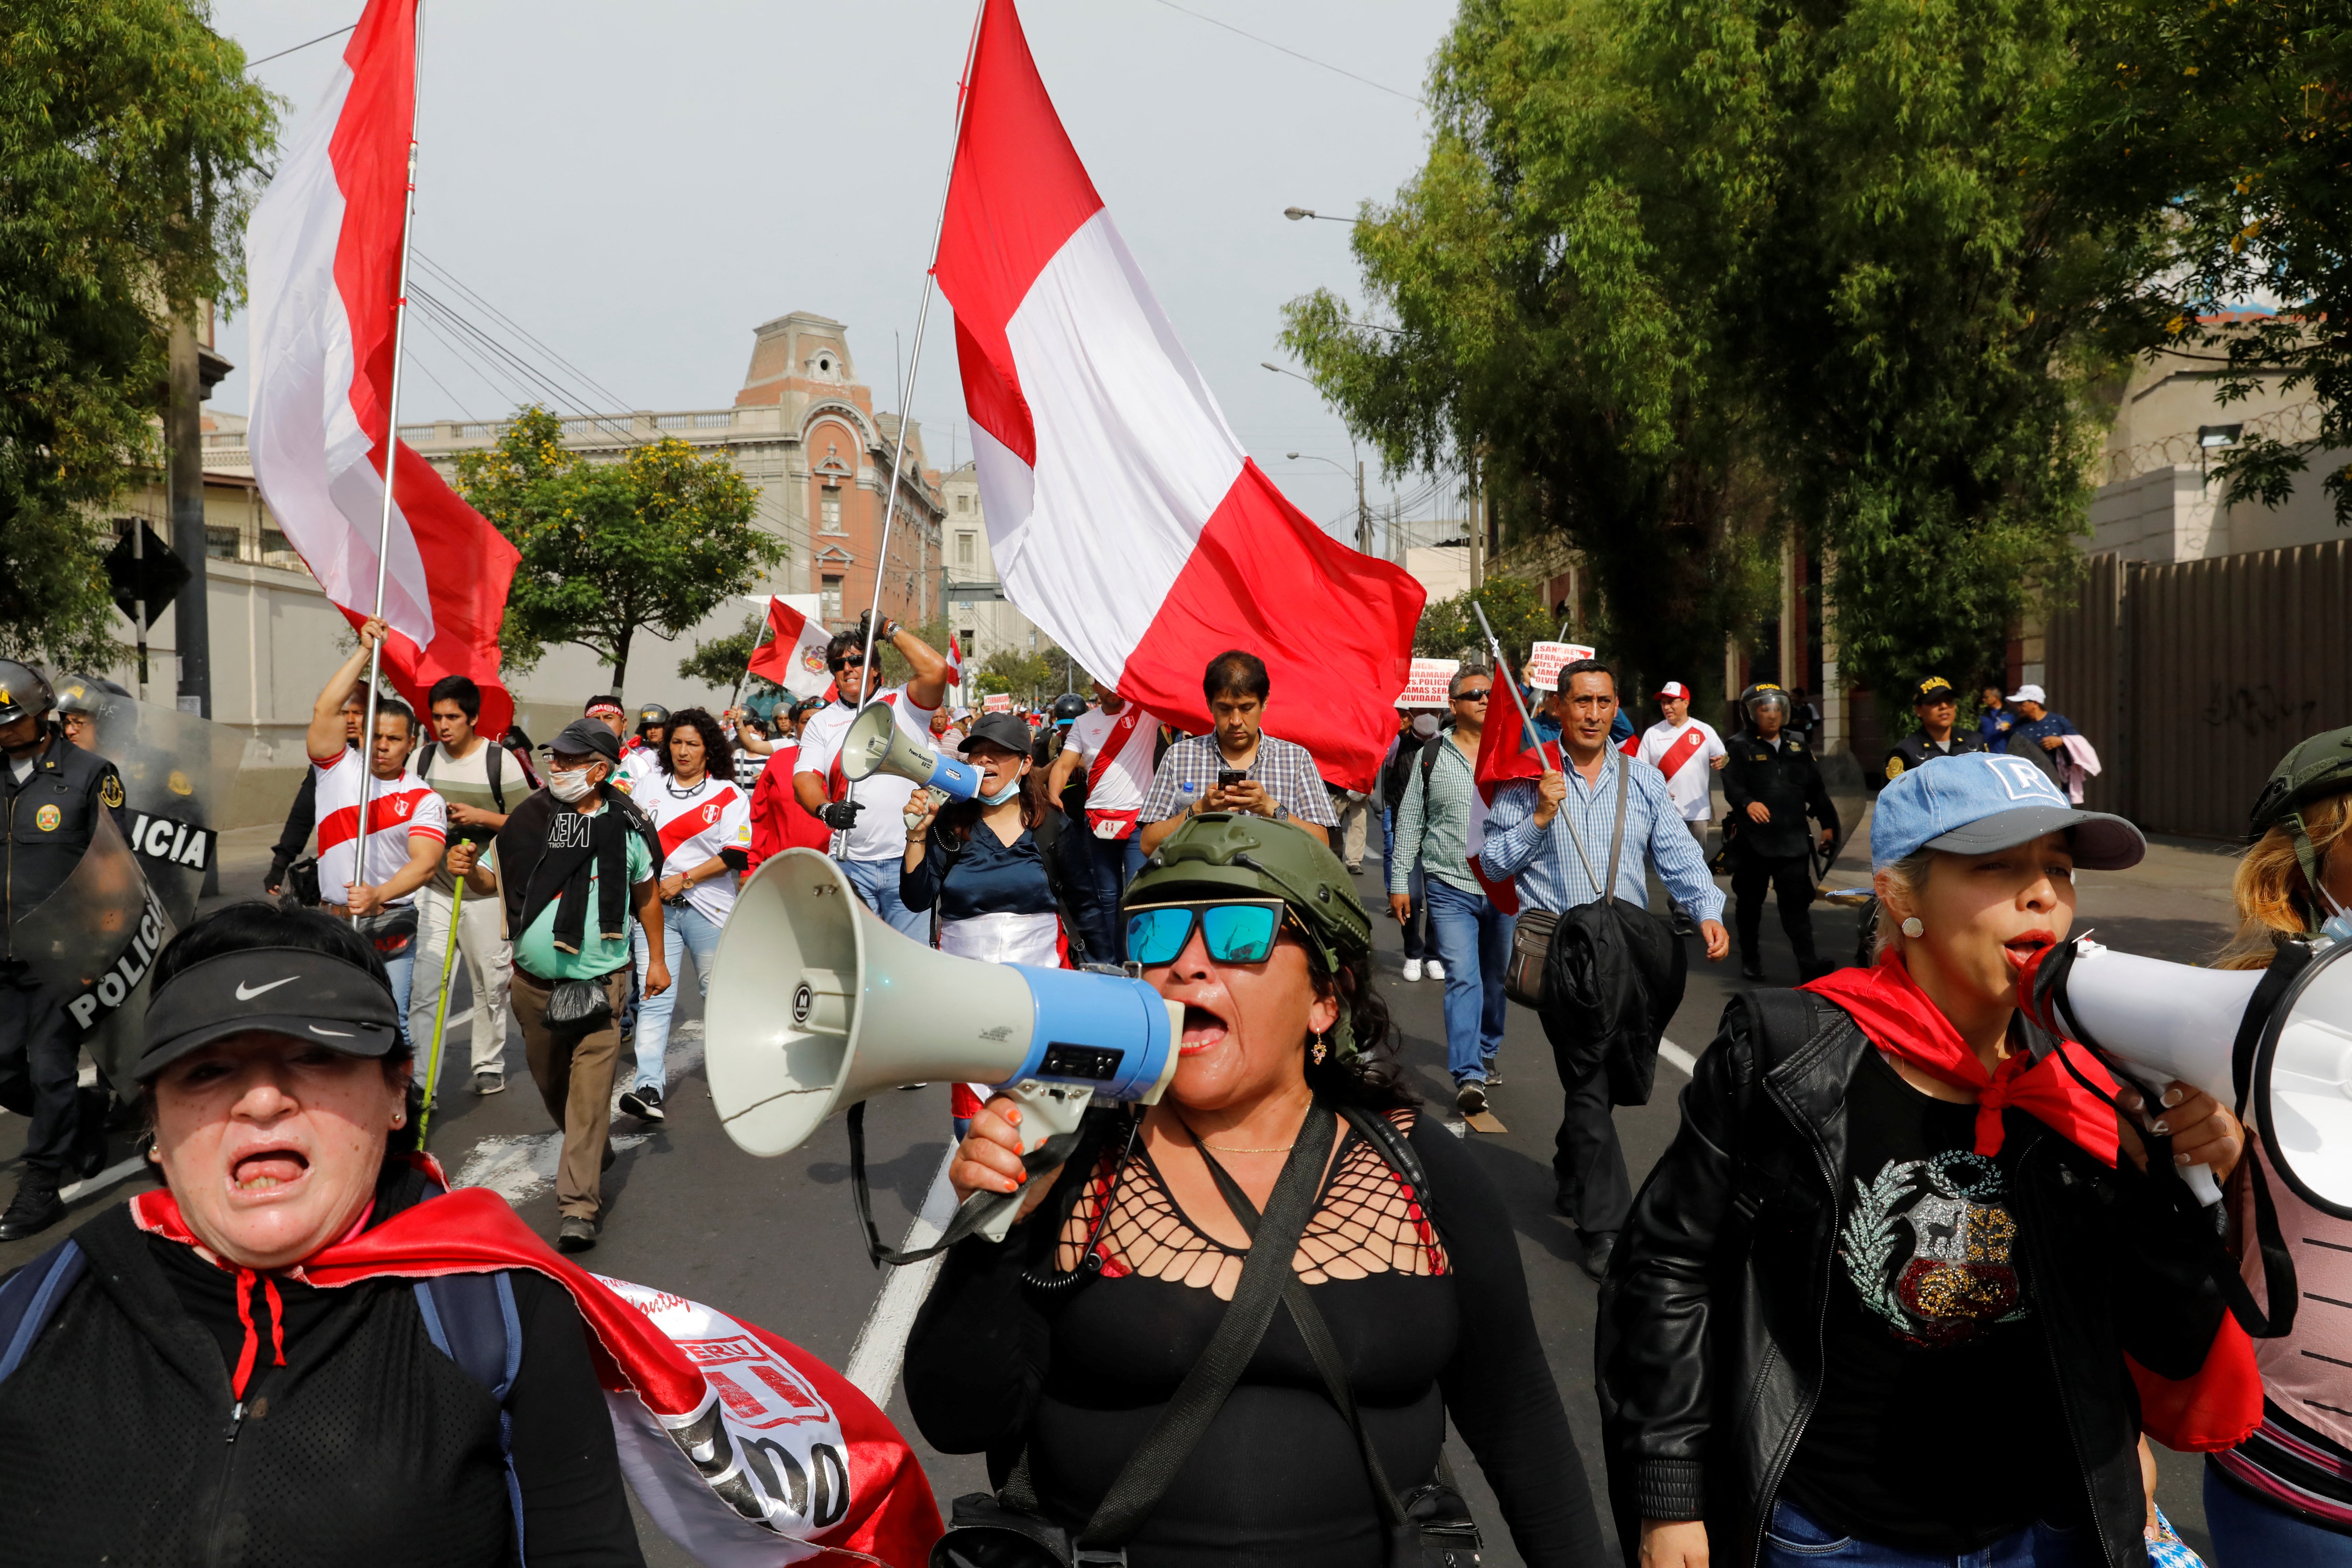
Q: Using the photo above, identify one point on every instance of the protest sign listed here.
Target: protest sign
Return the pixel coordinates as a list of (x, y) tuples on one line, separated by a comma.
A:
[(1545, 659), (1426, 688)]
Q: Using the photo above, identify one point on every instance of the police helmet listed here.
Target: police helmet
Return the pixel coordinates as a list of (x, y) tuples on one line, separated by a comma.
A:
[(23, 691), (1763, 694), (80, 694), (1068, 709), (651, 714)]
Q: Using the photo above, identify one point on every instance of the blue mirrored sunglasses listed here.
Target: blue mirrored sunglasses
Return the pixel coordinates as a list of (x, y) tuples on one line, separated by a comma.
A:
[(1236, 930)]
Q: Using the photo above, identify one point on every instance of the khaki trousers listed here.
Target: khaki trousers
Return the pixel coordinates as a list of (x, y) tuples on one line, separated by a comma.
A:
[(574, 1075)]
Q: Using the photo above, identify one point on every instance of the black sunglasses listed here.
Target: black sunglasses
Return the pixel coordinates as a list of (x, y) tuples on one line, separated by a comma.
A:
[(1477, 695)]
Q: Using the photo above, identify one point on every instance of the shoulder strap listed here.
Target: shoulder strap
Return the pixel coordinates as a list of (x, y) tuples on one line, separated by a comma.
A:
[(473, 1321), (1617, 840), (1184, 1420), (1394, 1147), (493, 768), (1048, 834), (30, 1299)]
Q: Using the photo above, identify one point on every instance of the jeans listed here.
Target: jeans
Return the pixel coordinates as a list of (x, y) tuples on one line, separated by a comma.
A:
[(1416, 941), (683, 926), (401, 972), (1794, 1541), (1100, 870), (877, 882), (2250, 1533), (1474, 942), (482, 943)]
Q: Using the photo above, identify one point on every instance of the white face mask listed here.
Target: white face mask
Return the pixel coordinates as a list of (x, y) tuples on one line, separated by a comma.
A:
[(570, 786), (2337, 926), (1007, 793)]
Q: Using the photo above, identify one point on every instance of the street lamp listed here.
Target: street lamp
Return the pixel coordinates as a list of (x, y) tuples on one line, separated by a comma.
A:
[(1296, 213)]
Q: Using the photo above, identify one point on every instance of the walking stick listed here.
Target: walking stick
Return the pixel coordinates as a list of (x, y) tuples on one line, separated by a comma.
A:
[(441, 1012)]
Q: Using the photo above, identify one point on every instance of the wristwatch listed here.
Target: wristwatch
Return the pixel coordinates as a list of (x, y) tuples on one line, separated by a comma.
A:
[(1281, 812)]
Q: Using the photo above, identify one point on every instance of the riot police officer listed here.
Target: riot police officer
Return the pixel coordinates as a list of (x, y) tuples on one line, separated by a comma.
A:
[(1938, 708), (1772, 784), (50, 795)]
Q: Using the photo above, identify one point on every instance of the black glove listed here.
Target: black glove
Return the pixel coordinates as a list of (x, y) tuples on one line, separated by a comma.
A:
[(842, 815), (889, 628)]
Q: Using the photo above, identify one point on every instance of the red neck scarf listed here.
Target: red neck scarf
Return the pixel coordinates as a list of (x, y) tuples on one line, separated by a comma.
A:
[(1899, 1018)]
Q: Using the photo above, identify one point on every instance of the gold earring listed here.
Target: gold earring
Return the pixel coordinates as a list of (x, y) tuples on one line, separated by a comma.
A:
[(1319, 1047)]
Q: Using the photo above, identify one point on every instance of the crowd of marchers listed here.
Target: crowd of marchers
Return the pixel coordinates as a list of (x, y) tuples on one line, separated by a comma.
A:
[(1898, 1293)]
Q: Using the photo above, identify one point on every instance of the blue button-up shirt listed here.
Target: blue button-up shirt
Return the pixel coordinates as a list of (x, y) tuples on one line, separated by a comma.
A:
[(1545, 864)]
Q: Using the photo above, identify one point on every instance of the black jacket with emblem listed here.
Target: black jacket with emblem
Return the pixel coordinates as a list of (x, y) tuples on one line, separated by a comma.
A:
[(1788, 781), (1914, 751), (51, 816), (1710, 1334)]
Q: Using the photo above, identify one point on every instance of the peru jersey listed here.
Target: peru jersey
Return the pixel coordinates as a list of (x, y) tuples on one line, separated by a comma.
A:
[(397, 809), (695, 824)]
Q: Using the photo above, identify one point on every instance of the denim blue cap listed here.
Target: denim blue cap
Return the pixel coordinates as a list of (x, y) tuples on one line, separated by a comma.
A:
[(1977, 804)]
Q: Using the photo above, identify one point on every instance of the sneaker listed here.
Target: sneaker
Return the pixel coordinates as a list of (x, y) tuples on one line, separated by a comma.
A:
[(35, 1208), (1412, 969), (490, 1083), (1493, 1078), (645, 1104), (1470, 1097), (1433, 969), (1751, 969), (576, 1234)]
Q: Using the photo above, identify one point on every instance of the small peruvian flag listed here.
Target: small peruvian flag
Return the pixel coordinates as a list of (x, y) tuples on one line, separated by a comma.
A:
[(793, 654)]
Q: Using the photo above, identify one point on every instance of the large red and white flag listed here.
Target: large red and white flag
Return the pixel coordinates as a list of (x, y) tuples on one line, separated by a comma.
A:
[(322, 257), (1124, 516), (793, 656)]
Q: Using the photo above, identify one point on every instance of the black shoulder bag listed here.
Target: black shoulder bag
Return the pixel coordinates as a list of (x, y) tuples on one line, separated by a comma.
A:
[(1009, 1530)]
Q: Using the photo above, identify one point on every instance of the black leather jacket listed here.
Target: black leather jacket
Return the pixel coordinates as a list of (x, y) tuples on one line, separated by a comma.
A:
[(1710, 1333)]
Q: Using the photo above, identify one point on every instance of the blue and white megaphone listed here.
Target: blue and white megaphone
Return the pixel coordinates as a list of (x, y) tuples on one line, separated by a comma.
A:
[(2164, 1021), (816, 1005), (874, 744)]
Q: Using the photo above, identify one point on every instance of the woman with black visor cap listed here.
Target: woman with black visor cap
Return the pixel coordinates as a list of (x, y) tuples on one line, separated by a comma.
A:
[(174, 1387)]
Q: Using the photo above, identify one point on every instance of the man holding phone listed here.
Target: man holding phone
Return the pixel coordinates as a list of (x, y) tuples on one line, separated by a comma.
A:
[(1236, 767)]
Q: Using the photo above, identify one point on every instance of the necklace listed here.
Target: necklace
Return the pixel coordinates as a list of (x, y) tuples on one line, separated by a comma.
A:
[(1223, 1148)]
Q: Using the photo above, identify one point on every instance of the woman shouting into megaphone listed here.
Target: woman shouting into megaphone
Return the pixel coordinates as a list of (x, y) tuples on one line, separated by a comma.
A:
[(1874, 1303), (1231, 1328)]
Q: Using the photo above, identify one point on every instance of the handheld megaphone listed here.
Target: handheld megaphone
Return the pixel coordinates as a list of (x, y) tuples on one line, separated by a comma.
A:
[(816, 1003), (2291, 1046), (874, 744)]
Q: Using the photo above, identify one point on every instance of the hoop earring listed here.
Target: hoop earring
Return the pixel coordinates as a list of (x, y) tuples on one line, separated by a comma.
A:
[(1911, 927), (1319, 1047)]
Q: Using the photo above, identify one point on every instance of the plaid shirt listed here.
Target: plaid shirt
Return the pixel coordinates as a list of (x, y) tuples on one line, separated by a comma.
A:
[(1551, 876), (1286, 771)]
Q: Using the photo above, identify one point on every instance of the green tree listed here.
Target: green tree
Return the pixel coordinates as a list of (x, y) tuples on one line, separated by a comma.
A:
[(2234, 122), (1449, 627), (131, 152), (657, 541)]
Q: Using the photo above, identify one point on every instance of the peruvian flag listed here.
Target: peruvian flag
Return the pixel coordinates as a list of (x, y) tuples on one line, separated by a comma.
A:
[(323, 258), (955, 660), (793, 656), (1124, 518), (1506, 753)]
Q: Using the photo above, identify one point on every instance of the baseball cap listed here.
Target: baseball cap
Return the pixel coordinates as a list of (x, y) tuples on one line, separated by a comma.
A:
[(1979, 803), (1675, 689), (1935, 689), (586, 738), (299, 991), (999, 729), (2029, 692)]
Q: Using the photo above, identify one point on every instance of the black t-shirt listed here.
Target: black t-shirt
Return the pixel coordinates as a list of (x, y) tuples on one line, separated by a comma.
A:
[(1939, 1428)]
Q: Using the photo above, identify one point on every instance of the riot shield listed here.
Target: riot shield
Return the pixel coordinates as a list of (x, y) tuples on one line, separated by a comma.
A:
[(89, 946), (177, 769)]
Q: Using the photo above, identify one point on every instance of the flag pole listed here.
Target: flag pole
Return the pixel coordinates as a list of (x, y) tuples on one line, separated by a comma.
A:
[(767, 624), (1503, 669), (915, 365), (391, 454)]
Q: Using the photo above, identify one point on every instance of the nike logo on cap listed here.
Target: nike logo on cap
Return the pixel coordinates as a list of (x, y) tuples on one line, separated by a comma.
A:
[(247, 993), (339, 1033)]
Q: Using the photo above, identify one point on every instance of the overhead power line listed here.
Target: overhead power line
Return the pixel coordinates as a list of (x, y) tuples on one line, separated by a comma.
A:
[(1294, 54), (298, 48)]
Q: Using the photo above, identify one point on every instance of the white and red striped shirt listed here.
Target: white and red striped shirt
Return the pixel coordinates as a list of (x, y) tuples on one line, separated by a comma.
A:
[(695, 824), (398, 810), (881, 830)]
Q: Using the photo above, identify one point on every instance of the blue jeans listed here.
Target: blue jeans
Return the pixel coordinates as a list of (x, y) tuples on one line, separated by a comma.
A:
[(1416, 944), (877, 882), (1474, 942), (2248, 1533), (401, 972), (1794, 1541), (683, 927), (1110, 865)]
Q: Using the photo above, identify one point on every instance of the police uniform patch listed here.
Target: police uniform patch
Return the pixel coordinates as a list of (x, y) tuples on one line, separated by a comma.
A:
[(48, 818), (1895, 769), (109, 792), (179, 784)]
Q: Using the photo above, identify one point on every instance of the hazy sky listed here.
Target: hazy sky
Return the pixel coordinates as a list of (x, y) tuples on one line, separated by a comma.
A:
[(640, 186)]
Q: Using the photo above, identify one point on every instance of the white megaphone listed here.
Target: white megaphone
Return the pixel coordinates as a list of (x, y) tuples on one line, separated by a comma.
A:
[(874, 744), (2165, 1021), (816, 1003)]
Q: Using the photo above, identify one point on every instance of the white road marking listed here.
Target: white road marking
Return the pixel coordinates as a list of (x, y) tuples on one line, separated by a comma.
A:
[(1682, 1058), (881, 1345), (104, 1179), (519, 1169)]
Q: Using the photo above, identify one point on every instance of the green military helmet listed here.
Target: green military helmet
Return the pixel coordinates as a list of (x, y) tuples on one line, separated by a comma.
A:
[(2312, 770), (1224, 854)]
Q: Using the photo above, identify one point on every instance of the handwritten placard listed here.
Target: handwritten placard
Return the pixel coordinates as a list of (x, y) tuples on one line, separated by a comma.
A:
[(1546, 660), (1426, 688), (997, 702)]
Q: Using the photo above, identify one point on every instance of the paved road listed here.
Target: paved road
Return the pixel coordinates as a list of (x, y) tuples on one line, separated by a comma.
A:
[(775, 1240)]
